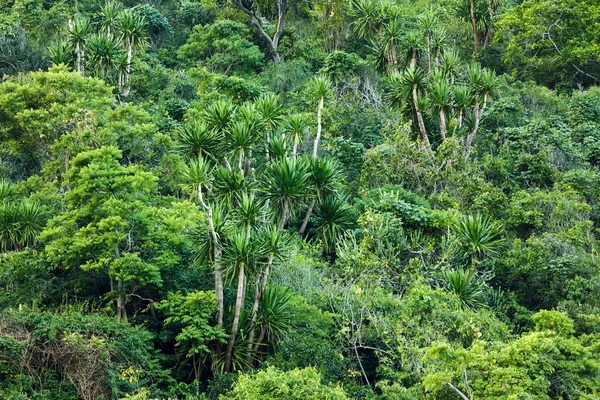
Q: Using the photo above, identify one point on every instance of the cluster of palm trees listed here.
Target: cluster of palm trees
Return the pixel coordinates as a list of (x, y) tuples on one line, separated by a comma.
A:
[(428, 80), (246, 169), (20, 220), (106, 48)]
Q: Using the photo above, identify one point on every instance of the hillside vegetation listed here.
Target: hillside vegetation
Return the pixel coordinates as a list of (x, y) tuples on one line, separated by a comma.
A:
[(277, 199)]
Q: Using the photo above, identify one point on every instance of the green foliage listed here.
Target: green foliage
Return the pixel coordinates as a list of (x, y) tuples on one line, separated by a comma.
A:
[(223, 47), (274, 384)]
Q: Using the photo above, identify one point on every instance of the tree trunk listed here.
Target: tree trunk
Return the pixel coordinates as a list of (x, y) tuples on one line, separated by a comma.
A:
[(284, 214), (318, 137), (443, 128), (474, 27), (295, 149), (422, 130), (307, 216), (216, 259), (239, 302), (428, 39), (78, 52), (258, 292), (473, 133), (413, 59)]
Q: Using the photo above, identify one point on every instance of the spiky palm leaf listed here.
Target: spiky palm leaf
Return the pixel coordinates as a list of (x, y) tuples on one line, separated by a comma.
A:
[(278, 148), (102, 53), (196, 140), (275, 314), (440, 91), (249, 212), (132, 28), (7, 190), (367, 17), (196, 174), (465, 284), (270, 110), (219, 115), (333, 216), (296, 126), (229, 185), (287, 184), (240, 139), (478, 235), (319, 87), (61, 52), (30, 222), (8, 226), (109, 14)]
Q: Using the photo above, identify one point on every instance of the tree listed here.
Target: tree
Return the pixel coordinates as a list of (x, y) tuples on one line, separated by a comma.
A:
[(553, 42), (132, 30), (252, 9), (223, 47), (79, 29), (108, 226), (190, 316), (319, 88), (287, 182), (325, 178), (478, 235)]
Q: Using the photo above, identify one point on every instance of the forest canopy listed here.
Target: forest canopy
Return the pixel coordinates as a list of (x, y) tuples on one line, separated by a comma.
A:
[(276, 199)]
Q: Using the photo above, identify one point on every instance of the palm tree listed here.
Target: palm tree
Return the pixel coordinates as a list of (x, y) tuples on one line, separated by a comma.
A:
[(240, 139), (391, 36), (7, 190), (274, 243), (109, 17), (319, 88), (270, 110), (132, 29), (8, 226), (429, 21), (195, 176), (483, 84), (229, 185), (325, 178), (286, 183), (240, 253), (30, 222), (296, 126), (274, 317), (450, 64), (103, 53), (196, 140), (438, 42), (463, 100), (79, 29), (440, 95), (464, 283), (478, 235), (61, 52), (408, 86), (413, 43), (367, 17), (333, 217), (219, 115)]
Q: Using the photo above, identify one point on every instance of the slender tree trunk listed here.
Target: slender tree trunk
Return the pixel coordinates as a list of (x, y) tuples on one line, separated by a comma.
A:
[(437, 57), (413, 59), (318, 137), (473, 133), (78, 52), (443, 127), (239, 302), (295, 149), (422, 130), (428, 38), (258, 292), (216, 259), (474, 27), (284, 214), (121, 311), (311, 205)]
